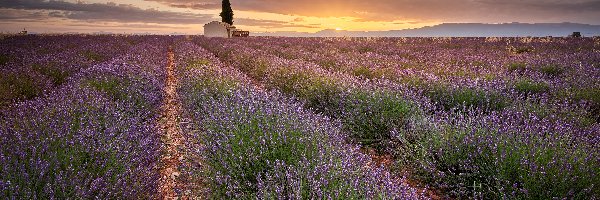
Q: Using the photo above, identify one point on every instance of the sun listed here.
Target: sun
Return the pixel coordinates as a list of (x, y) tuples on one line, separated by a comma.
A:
[(338, 29)]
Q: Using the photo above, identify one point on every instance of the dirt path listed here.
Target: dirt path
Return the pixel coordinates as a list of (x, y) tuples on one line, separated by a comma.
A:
[(387, 161), (173, 138)]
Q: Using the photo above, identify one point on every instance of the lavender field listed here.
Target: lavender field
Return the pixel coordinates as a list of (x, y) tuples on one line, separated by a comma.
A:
[(154, 117)]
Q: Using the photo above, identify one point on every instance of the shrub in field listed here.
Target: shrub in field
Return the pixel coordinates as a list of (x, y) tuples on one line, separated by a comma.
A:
[(17, 86), (362, 71), (365, 49), (197, 63), (589, 94), (322, 95), (415, 82), (116, 88), (254, 145), (329, 64), (56, 74), (592, 96), (478, 98), (551, 70), (529, 87), (255, 67), (455, 98), (517, 66), (368, 73), (91, 55), (113, 87), (520, 50), (387, 72), (289, 81), (572, 114), (491, 160), (4, 59), (371, 118), (210, 82), (319, 93), (484, 163)]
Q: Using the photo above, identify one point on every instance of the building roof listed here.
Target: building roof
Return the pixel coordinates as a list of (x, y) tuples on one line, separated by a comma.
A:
[(220, 23)]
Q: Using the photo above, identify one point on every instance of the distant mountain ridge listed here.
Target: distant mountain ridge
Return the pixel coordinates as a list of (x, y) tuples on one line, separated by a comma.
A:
[(462, 30)]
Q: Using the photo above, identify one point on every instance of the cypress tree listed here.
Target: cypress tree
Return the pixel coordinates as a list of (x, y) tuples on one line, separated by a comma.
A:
[(227, 12)]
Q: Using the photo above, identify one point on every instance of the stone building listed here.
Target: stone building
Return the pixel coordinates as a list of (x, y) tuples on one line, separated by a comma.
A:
[(224, 30)]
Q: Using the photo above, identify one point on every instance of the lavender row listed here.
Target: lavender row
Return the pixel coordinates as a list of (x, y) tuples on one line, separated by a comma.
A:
[(35, 65), (546, 71), (372, 112), (95, 137), (258, 144), (435, 144)]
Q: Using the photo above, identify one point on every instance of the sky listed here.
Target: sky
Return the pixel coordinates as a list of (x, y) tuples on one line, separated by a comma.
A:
[(188, 16)]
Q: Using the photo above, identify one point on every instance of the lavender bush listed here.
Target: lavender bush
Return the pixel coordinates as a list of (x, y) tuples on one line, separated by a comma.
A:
[(263, 145), (33, 65), (94, 137), (473, 110), (369, 113), (288, 118)]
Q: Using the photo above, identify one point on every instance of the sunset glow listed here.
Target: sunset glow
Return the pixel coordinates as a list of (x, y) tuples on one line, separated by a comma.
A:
[(188, 16)]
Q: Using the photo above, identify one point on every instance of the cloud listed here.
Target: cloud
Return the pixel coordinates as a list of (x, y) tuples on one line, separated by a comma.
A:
[(105, 12), (131, 25), (271, 23), (199, 5), (443, 10), (21, 16), (301, 13), (122, 13), (547, 5)]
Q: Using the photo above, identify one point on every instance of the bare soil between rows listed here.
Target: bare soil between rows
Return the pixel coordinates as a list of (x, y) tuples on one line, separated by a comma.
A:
[(173, 139)]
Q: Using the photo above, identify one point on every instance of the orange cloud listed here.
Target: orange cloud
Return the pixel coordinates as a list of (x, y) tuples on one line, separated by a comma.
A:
[(437, 10)]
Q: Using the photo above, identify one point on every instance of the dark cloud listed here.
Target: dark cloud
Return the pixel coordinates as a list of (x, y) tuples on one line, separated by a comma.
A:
[(197, 6), (191, 4), (124, 13), (57, 14), (111, 25), (21, 15), (412, 11), (106, 12), (587, 11)]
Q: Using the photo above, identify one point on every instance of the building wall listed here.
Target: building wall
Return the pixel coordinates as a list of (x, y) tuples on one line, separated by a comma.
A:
[(215, 30)]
